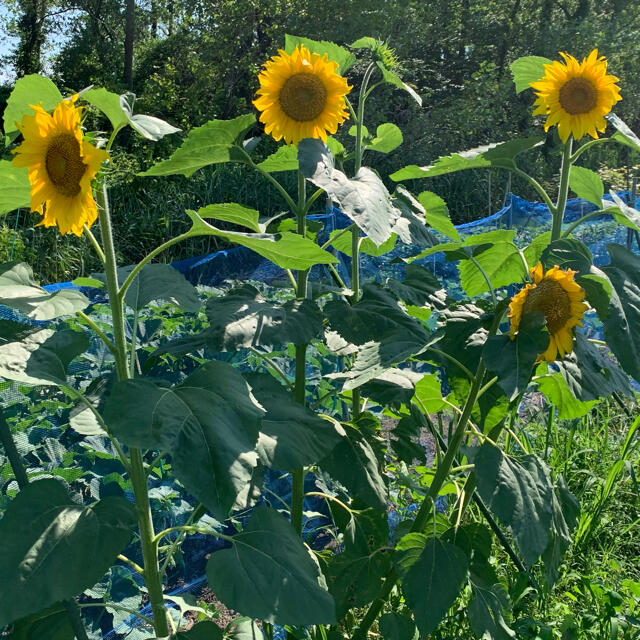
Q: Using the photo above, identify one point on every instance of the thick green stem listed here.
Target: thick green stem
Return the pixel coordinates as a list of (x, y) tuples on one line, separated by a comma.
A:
[(297, 475), (565, 170), (111, 273), (136, 467), (152, 576), (439, 478)]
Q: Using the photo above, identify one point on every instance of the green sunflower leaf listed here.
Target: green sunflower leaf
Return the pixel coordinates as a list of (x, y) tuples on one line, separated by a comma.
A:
[(65, 548), (586, 184), (527, 70), (212, 143), (496, 154), (622, 324), (234, 213), (623, 133), (28, 90), (287, 250), (270, 575), (335, 53), (437, 214), (15, 189), (284, 159), (388, 137)]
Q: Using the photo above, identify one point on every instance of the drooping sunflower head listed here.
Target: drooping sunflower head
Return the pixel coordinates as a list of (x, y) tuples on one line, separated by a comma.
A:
[(301, 95), (559, 298), (61, 166), (576, 95)]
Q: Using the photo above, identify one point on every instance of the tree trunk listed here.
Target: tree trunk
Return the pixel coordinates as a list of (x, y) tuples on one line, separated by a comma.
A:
[(129, 36), (32, 36)]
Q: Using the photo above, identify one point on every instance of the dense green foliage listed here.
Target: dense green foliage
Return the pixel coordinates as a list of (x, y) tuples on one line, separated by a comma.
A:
[(195, 61)]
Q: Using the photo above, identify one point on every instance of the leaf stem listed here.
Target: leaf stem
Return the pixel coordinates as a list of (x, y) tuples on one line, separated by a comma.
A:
[(587, 145), (283, 376), (111, 605), (584, 218), (96, 245), (98, 331)]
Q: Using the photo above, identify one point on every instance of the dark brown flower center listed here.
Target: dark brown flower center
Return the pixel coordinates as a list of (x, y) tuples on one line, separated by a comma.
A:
[(548, 297), (64, 164), (303, 97), (578, 95)]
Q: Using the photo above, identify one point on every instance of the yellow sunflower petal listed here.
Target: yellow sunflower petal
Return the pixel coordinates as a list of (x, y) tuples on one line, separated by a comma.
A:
[(61, 166), (301, 95), (576, 95)]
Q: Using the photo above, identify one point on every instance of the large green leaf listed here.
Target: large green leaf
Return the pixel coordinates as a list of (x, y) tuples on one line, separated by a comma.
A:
[(342, 242), (208, 424), (622, 325), (398, 626), (291, 436), (590, 374), (373, 317), (19, 290), (269, 575), (520, 494), (623, 135), (432, 581), (388, 137), (487, 611), (437, 214), (284, 159), (42, 358), (353, 463), (205, 630), (364, 199), (622, 212), (566, 511), (234, 213), (334, 52), (497, 154), (512, 360), (392, 388), (110, 104), (15, 188), (287, 250), (160, 282), (586, 184), (54, 548), (418, 287), (457, 250), (527, 70), (51, 623), (390, 77), (243, 318), (556, 391), (500, 263), (212, 143), (28, 90), (411, 224)]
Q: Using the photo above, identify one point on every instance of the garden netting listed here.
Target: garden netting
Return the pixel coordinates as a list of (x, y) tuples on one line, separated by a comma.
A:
[(528, 219)]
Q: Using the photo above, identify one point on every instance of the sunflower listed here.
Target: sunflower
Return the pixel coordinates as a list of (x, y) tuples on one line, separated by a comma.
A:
[(576, 95), (301, 95), (559, 298), (61, 167)]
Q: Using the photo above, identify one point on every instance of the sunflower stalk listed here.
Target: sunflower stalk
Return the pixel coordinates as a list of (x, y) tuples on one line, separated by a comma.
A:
[(297, 475), (561, 205), (137, 472)]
